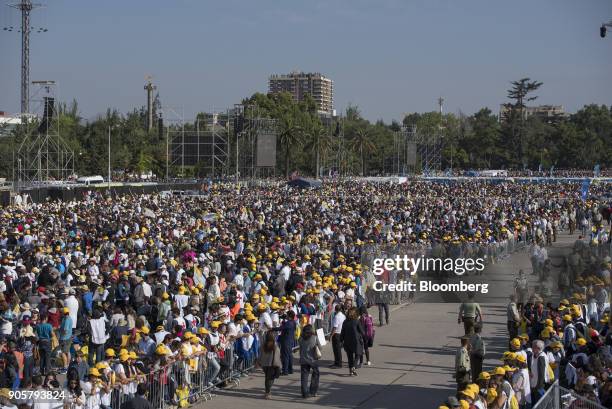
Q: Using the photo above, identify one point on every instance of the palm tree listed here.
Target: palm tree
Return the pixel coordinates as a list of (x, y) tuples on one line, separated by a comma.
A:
[(361, 143), (319, 143), (289, 135)]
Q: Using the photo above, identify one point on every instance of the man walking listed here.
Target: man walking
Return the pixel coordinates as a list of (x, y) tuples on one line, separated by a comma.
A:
[(463, 364), (477, 352), (337, 322), (469, 313), (383, 307), (513, 317)]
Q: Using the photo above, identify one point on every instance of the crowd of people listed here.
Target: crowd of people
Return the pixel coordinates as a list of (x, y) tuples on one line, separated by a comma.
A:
[(109, 292), (568, 342)]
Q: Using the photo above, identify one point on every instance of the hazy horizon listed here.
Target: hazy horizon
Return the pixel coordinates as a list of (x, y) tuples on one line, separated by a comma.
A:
[(388, 57)]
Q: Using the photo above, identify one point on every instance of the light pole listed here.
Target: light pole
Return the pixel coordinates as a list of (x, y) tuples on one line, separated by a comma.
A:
[(109, 155)]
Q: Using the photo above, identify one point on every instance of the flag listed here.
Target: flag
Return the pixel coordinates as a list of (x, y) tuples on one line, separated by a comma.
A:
[(585, 189)]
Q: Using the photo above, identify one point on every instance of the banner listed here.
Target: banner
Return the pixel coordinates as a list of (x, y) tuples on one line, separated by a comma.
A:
[(584, 192)]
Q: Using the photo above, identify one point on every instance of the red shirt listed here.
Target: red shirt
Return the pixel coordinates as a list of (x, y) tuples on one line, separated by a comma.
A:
[(54, 319)]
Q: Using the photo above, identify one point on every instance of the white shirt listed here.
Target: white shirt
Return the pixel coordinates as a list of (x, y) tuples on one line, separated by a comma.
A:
[(73, 305), (338, 321), (146, 289)]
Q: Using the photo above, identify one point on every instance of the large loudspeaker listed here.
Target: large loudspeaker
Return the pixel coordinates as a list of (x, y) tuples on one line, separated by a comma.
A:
[(266, 150), (48, 112)]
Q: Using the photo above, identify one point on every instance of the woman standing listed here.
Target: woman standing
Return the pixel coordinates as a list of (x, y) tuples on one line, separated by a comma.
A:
[(367, 323), (352, 337), (309, 345), (269, 360)]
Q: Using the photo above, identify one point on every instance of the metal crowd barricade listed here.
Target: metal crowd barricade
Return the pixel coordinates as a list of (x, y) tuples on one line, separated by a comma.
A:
[(557, 397), (196, 375)]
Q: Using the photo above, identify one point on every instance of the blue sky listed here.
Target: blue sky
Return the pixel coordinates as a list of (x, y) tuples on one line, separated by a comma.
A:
[(387, 56)]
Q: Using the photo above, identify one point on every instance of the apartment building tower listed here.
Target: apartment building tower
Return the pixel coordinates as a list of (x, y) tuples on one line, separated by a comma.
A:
[(298, 84)]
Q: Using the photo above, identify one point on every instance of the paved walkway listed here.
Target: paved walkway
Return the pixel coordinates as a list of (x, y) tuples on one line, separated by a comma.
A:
[(413, 358)]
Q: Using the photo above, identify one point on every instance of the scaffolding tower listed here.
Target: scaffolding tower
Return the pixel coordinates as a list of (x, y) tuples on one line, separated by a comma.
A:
[(43, 155), (429, 152), (404, 161), (415, 152), (199, 148), (251, 132)]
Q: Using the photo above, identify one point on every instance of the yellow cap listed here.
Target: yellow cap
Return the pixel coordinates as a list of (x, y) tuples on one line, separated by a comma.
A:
[(215, 324), (484, 376), (521, 358), (499, 371), (101, 365), (145, 330), (464, 404), (203, 331), (161, 350), (581, 342), (94, 372), (468, 392), (515, 343), (110, 353), (66, 310)]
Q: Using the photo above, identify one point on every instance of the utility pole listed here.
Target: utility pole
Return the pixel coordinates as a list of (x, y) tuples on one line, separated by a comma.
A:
[(109, 158), (26, 7), (167, 152), (440, 104), (149, 87)]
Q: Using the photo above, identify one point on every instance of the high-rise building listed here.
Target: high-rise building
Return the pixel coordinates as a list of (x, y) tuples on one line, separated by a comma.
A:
[(545, 113), (298, 84)]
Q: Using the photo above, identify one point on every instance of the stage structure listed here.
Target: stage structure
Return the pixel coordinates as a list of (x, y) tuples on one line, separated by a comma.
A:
[(335, 159), (236, 142), (415, 152), (199, 148), (43, 156), (255, 140)]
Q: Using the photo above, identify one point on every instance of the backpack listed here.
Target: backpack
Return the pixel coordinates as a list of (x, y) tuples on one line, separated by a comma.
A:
[(368, 326), (360, 301)]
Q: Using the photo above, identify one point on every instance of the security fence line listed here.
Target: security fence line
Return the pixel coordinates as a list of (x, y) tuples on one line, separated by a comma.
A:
[(558, 397), (189, 380)]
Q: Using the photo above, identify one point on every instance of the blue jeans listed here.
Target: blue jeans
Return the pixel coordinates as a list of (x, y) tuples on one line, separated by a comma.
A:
[(44, 349), (98, 350), (286, 351)]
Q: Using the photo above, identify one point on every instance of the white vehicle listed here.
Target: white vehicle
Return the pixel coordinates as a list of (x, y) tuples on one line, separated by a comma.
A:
[(90, 180), (494, 173)]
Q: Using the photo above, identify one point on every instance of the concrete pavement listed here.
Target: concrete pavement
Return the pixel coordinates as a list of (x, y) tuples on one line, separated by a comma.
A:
[(413, 358)]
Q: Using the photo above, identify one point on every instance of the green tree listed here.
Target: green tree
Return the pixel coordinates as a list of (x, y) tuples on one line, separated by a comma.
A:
[(361, 143), (515, 114), (290, 136)]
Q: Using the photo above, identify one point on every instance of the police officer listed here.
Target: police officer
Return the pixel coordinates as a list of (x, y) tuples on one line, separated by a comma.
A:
[(463, 364)]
